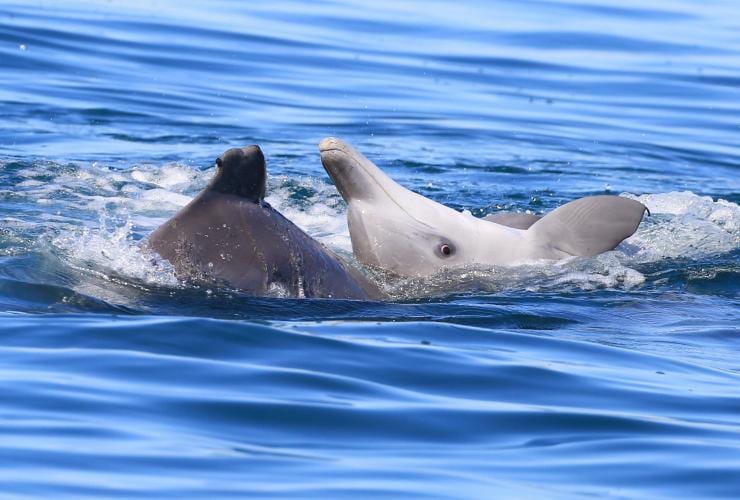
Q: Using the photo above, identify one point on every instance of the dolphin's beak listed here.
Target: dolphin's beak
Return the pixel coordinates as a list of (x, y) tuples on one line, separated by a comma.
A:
[(356, 177)]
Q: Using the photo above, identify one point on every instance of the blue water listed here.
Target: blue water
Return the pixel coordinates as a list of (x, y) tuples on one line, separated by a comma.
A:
[(615, 376)]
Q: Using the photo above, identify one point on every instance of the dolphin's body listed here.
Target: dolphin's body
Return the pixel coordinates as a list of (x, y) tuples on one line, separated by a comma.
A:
[(229, 235), (403, 232)]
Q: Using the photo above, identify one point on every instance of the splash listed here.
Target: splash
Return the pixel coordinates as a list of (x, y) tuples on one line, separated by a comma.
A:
[(685, 225), (315, 207), (111, 252)]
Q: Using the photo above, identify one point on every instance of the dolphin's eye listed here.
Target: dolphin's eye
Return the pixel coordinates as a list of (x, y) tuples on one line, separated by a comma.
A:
[(445, 249), (219, 162)]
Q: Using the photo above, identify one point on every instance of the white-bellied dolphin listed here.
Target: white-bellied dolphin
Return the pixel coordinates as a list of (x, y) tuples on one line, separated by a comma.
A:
[(228, 235), (398, 230)]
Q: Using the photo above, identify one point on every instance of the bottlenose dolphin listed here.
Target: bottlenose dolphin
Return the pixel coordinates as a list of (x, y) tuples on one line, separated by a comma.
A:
[(228, 235), (400, 231)]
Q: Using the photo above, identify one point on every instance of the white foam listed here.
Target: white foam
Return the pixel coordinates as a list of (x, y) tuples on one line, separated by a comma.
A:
[(100, 208), (686, 225), (113, 251), (604, 271), (162, 199), (169, 177), (321, 215)]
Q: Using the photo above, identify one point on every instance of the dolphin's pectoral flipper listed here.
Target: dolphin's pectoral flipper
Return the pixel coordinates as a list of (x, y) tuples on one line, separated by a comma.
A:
[(589, 226), (513, 219)]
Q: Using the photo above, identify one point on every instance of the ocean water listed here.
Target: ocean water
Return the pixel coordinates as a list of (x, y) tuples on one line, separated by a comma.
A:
[(615, 376)]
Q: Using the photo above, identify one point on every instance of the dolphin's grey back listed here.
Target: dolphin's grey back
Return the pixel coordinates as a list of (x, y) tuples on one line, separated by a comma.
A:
[(229, 236), (588, 226), (223, 239)]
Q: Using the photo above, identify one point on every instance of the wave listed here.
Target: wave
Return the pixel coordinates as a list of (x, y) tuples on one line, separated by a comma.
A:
[(369, 403)]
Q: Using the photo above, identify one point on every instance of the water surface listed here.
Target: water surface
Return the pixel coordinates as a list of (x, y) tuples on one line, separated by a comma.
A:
[(614, 376)]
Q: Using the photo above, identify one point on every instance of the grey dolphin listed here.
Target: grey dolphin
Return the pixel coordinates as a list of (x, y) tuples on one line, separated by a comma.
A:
[(401, 231), (228, 235)]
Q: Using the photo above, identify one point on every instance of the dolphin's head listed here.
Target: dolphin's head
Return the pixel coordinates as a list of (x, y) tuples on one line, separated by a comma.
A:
[(241, 172), (391, 227)]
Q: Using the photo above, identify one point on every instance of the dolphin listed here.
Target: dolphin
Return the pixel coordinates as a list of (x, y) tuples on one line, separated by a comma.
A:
[(228, 235), (400, 231)]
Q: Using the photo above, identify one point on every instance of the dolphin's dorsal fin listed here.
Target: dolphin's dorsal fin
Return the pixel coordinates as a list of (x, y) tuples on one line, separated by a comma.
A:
[(513, 219), (241, 172), (589, 226)]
